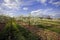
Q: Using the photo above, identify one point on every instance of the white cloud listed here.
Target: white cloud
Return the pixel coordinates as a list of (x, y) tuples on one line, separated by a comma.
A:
[(8, 14), (49, 11), (14, 4), (37, 12), (41, 12), (25, 8), (51, 1), (28, 2), (57, 3), (0, 8), (11, 4), (42, 1), (7, 1)]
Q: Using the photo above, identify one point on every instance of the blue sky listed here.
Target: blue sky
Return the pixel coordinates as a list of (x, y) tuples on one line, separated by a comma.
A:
[(33, 7)]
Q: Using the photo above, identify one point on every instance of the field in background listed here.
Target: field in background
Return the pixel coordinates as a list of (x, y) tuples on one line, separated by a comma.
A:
[(50, 24), (48, 29)]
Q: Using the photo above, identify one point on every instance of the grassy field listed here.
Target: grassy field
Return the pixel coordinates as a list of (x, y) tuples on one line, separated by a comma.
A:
[(50, 24), (29, 29), (48, 29), (13, 31)]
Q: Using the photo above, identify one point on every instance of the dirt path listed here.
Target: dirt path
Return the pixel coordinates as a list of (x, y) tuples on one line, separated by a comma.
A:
[(42, 33)]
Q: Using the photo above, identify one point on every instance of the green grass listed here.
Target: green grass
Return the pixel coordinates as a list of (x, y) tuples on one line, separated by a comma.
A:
[(14, 31), (54, 29), (53, 25)]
